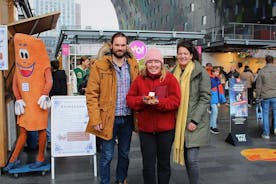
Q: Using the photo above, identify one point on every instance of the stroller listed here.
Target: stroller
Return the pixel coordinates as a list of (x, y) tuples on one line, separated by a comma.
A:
[(259, 114)]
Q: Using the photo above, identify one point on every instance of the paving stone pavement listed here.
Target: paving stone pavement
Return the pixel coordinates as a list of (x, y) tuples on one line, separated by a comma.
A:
[(220, 162)]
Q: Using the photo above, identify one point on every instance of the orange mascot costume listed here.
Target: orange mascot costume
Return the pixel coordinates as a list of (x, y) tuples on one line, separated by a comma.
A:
[(32, 83)]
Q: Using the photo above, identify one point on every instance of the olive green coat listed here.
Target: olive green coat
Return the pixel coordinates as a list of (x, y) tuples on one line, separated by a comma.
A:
[(198, 107)]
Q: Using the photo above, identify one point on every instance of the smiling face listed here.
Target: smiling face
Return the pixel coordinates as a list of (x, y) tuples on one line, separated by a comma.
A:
[(30, 55), (154, 66), (23, 61), (183, 56), (119, 47)]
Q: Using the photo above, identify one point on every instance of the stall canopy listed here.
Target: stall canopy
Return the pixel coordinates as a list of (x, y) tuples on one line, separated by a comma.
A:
[(35, 25)]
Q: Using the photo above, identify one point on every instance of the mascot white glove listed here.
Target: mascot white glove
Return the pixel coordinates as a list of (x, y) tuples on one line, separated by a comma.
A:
[(44, 102), (19, 107)]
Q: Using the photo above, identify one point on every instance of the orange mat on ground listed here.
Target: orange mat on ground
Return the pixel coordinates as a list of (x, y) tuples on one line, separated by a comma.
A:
[(259, 154)]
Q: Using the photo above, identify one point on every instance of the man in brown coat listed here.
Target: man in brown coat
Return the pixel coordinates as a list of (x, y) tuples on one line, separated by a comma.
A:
[(109, 116)]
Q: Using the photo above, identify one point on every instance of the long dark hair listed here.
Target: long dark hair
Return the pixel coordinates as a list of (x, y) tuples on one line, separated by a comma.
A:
[(190, 47)]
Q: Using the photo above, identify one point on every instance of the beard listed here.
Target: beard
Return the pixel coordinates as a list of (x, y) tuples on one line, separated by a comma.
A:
[(118, 55)]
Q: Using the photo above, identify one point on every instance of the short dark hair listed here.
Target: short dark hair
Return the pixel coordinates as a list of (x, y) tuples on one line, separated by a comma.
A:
[(118, 34), (236, 75), (83, 58), (190, 47), (55, 64), (209, 64), (269, 59)]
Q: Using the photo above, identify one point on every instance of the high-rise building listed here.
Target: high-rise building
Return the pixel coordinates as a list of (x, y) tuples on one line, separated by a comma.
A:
[(66, 7), (69, 16)]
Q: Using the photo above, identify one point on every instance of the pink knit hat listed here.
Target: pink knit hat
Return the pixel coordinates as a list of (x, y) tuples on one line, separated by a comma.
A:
[(154, 54)]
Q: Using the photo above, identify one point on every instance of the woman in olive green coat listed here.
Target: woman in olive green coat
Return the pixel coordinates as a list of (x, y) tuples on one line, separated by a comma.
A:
[(192, 125)]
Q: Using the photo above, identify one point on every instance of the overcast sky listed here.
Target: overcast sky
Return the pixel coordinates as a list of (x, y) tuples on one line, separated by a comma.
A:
[(99, 14)]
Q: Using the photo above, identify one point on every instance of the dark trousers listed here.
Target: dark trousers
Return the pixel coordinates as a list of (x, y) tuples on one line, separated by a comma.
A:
[(156, 146), (192, 164), (250, 95)]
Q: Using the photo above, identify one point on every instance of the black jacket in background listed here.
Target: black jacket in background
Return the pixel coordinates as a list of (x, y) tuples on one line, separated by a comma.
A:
[(59, 83)]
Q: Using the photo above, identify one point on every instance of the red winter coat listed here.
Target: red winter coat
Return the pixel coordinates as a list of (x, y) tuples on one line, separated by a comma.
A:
[(159, 117)]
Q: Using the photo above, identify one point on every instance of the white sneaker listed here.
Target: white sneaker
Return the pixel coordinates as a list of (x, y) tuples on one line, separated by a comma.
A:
[(265, 136)]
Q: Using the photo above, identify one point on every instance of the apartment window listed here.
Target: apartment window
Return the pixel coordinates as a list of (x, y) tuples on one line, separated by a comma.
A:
[(167, 18), (172, 2), (204, 18), (186, 26), (192, 7), (236, 10)]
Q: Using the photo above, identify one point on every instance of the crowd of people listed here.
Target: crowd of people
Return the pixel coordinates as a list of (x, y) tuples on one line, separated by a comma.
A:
[(171, 110)]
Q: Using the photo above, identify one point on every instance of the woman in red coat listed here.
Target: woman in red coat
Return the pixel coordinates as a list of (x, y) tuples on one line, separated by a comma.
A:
[(155, 96)]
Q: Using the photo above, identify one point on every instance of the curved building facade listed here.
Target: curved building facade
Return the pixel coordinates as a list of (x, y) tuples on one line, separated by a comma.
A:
[(190, 15)]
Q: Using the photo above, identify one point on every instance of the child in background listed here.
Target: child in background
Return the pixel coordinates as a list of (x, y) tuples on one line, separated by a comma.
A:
[(217, 97)]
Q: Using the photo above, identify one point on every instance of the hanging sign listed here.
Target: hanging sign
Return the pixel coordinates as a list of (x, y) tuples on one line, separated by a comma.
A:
[(139, 49), (3, 47)]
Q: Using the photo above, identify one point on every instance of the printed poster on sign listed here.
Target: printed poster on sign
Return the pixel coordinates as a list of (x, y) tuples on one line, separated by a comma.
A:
[(69, 118), (238, 98), (3, 47)]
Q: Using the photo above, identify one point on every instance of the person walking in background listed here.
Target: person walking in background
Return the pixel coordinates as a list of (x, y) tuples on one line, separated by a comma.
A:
[(256, 76), (83, 84), (266, 93), (248, 76), (217, 98), (254, 85), (59, 88), (222, 76), (109, 115), (233, 72), (155, 95), (192, 123), (209, 68), (59, 80), (82, 70)]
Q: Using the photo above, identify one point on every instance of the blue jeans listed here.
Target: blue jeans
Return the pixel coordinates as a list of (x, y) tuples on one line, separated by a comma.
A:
[(48, 130), (266, 105), (123, 126), (213, 116)]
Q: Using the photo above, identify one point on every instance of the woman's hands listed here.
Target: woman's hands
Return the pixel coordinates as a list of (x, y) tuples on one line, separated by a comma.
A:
[(150, 100)]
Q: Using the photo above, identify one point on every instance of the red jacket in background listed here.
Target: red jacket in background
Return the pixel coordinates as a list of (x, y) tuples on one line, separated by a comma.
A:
[(162, 116)]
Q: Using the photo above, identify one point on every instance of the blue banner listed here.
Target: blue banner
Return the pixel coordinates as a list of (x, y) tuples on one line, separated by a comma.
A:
[(238, 98)]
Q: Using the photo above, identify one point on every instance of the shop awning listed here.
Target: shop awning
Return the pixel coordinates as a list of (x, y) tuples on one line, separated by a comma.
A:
[(35, 25)]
